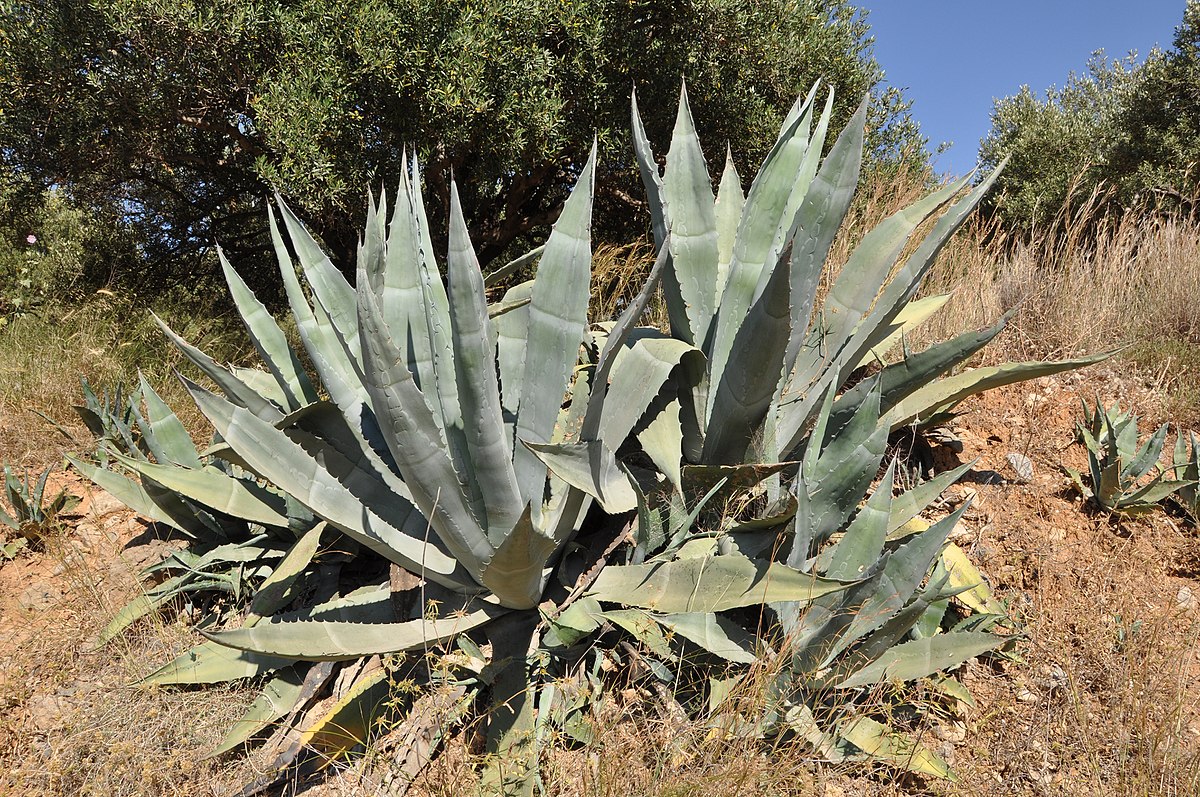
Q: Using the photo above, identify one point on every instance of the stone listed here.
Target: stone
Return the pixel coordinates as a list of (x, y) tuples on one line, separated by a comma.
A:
[(40, 596), (1022, 466)]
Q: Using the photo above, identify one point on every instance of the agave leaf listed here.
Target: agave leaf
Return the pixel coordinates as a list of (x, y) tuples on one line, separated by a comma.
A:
[(166, 434), (349, 722), (269, 340), (814, 145), (516, 572), (858, 284), (914, 314), (662, 440), (511, 333), (651, 178), (965, 578), (133, 495), (862, 543), (330, 289), (378, 518), (340, 641), (142, 606), (590, 467), (412, 436), (762, 215), (491, 464), (898, 380), (898, 749), (829, 486), (642, 627), (817, 222), (707, 584), (263, 384), (749, 380), (238, 498), (557, 318), (930, 600), (329, 358), (712, 632), (728, 208), (919, 658), (210, 663), (899, 580), (1147, 497), (276, 590), (575, 622), (942, 393), (496, 277), (911, 503), (646, 356), (443, 400), (401, 295), (278, 698), (237, 390), (691, 215), (512, 723), (1147, 457)]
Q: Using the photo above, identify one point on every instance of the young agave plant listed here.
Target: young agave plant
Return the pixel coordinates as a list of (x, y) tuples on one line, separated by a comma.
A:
[(1116, 463), (1186, 467)]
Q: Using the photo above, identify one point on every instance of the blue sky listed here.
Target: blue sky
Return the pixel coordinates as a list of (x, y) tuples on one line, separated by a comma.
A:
[(954, 56)]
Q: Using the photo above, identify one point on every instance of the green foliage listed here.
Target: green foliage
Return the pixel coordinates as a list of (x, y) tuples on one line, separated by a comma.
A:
[(53, 253), (1059, 148), (183, 116), (1118, 466), (31, 514), (486, 459), (1125, 131)]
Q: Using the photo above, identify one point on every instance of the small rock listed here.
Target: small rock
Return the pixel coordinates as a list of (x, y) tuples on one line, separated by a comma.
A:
[(953, 732), (40, 596), (960, 533), (45, 711), (1022, 466), (1026, 696), (102, 504), (1186, 599)]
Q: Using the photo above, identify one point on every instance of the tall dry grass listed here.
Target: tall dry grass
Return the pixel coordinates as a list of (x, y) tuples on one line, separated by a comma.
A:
[(1086, 283)]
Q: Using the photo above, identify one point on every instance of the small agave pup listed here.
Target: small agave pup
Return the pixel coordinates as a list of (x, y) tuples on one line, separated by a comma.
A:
[(476, 447)]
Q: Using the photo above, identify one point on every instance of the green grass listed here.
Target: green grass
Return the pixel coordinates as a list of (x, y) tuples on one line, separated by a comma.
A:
[(43, 357)]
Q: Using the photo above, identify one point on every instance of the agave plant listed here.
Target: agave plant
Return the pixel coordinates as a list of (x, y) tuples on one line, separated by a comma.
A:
[(31, 513), (1118, 467), (474, 449)]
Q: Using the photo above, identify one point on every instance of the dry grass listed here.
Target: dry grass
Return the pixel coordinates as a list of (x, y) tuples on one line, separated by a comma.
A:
[(43, 358), (1084, 285), (72, 722)]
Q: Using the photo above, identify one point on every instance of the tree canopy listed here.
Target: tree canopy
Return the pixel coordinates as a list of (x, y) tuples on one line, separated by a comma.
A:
[(182, 117), (1125, 130)]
